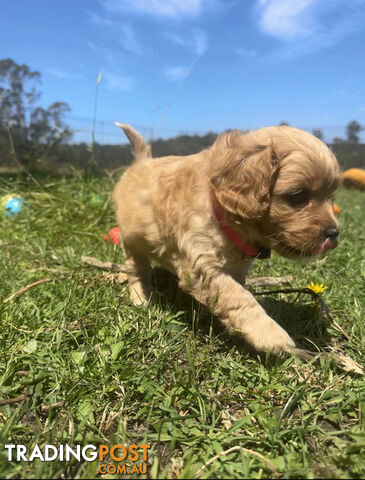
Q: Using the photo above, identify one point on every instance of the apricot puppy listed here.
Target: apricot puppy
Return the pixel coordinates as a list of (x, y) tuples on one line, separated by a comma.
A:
[(206, 217)]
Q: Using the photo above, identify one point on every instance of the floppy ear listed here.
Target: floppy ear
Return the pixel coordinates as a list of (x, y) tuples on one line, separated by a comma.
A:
[(242, 176)]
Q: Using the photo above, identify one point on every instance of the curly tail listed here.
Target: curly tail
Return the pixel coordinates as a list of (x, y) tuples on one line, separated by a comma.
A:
[(140, 148)]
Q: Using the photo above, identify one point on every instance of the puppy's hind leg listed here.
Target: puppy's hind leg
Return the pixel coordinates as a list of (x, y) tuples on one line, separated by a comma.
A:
[(139, 273)]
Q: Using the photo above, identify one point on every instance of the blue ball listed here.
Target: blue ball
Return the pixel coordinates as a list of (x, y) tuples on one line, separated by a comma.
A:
[(13, 206)]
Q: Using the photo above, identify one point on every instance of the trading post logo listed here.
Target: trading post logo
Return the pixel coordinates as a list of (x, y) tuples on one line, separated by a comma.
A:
[(129, 460)]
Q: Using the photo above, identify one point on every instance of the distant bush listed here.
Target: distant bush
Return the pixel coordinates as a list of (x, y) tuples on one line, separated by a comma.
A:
[(350, 155), (65, 156)]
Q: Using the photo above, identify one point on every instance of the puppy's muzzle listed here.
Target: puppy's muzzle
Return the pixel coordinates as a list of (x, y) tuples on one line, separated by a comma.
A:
[(330, 242)]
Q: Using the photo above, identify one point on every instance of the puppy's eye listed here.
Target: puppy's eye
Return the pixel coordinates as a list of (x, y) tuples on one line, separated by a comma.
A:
[(299, 198)]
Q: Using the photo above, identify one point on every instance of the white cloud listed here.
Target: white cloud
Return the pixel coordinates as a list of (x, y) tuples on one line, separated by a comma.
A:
[(123, 32), (176, 39), (287, 19), (176, 73), (99, 20), (200, 42), (118, 82), (158, 8), (105, 53), (306, 26), (129, 40), (65, 75), (196, 41)]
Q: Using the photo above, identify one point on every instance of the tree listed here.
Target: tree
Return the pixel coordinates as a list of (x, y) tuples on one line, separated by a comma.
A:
[(338, 141), (17, 98), (317, 132), (281, 124), (47, 125), (29, 124), (352, 131)]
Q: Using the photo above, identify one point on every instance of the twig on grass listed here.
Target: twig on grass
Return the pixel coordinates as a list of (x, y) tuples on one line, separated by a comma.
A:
[(113, 267), (254, 281), (24, 289), (340, 329), (346, 363), (21, 330), (236, 449), (9, 401), (45, 408), (268, 281)]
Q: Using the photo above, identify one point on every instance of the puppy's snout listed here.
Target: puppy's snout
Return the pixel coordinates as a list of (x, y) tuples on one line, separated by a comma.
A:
[(331, 232), (330, 241)]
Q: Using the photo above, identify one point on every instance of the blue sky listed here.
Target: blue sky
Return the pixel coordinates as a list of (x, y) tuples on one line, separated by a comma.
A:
[(194, 65)]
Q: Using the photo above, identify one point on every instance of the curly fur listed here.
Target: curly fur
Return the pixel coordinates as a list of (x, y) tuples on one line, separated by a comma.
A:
[(164, 211)]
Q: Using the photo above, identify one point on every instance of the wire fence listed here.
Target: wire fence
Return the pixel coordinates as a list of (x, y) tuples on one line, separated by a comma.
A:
[(75, 151), (107, 133)]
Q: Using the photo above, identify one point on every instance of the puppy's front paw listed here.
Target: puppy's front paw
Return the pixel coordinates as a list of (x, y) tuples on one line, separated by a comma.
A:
[(265, 335), (138, 297)]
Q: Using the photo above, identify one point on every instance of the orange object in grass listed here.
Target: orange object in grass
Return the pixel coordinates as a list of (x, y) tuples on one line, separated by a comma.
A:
[(336, 209), (113, 235)]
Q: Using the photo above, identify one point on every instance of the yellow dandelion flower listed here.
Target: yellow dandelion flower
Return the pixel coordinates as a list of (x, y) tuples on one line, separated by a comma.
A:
[(316, 287)]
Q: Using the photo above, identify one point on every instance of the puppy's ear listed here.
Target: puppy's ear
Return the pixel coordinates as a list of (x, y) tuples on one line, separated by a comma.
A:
[(242, 176)]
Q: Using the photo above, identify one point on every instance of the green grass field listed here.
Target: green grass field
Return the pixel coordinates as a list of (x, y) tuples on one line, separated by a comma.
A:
[(90, 368)]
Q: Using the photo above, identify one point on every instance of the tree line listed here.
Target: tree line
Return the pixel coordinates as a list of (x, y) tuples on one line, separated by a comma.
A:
[(38, 138)]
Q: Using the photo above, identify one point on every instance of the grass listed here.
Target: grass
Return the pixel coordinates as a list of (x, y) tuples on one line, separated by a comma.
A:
[(164, 376)]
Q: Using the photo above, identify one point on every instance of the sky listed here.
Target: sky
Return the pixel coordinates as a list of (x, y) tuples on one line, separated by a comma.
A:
[(171, 66)]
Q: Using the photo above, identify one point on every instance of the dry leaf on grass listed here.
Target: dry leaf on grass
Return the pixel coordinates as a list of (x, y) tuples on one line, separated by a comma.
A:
[(115, 277), (347, 364)]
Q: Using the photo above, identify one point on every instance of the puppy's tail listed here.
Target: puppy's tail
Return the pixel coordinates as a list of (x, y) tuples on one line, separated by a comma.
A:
[(139, 146)]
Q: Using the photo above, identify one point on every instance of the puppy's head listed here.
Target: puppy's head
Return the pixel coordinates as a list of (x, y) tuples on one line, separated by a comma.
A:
[(276, 186)]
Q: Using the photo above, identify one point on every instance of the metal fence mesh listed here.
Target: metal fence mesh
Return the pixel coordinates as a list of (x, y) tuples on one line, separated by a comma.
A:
[(107, 133)]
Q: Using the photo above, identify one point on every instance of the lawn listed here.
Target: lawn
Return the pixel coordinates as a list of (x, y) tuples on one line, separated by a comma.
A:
[(87, 367)]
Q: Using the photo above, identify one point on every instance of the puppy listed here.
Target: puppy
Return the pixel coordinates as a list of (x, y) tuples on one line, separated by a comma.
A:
[(206, 217)]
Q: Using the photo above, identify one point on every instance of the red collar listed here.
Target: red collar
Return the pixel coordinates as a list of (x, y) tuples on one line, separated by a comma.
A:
[(235, 238)]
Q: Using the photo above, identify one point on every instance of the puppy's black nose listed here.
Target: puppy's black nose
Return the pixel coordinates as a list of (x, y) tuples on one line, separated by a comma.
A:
[(331, 232)]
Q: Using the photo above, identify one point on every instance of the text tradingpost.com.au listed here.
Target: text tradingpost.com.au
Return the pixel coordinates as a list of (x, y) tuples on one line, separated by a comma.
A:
[(134, 457)]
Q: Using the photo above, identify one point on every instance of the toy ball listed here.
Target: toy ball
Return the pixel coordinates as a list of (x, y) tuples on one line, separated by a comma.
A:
[(12, 205), (4, 199)]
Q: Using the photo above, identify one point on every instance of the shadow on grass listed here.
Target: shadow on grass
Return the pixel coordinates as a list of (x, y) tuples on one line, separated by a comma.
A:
[(297, 313)]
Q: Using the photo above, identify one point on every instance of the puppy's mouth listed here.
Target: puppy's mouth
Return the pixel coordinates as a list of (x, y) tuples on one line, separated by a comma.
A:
[(289, 251), (328, 244)]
